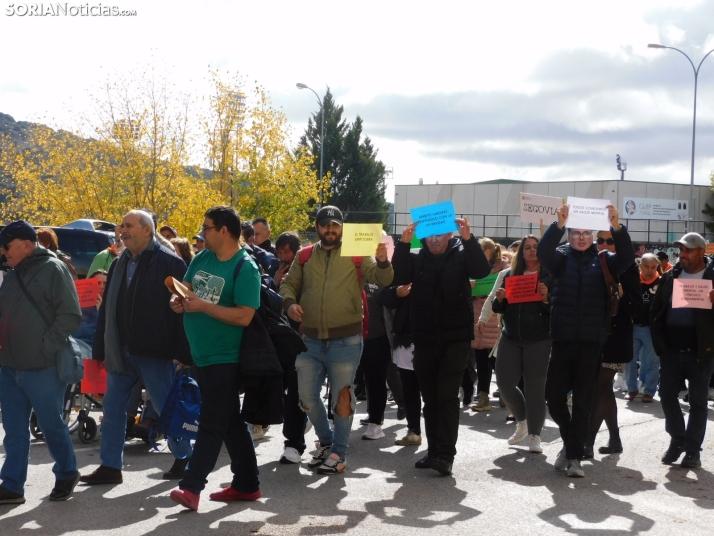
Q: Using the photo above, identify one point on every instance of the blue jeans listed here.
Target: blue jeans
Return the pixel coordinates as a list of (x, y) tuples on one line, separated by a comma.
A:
[(21, 391), (649, 362), (338, 360), (157, 375)]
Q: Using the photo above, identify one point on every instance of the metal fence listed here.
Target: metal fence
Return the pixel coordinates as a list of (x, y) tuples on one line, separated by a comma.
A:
[(510, 227)]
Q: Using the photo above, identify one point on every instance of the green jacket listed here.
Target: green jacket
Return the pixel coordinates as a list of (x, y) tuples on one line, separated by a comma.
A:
[(327, 290), (26, 342), (102, 261)]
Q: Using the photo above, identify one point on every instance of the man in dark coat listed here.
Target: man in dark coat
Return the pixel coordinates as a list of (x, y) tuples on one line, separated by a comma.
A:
[(579, 325), (442, 320)]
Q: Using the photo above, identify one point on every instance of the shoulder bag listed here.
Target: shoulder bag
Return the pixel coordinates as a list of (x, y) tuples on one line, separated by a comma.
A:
[(70, 366)]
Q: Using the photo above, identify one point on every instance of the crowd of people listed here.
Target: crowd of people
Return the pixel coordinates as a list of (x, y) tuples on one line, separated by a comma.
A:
[(415, 324)]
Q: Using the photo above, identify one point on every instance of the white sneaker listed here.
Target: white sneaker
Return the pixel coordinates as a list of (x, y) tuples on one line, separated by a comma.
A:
[(575, 470), (520, 433), (561, 462), (374, 431), (290, 455), (257, 432), (534, 444)]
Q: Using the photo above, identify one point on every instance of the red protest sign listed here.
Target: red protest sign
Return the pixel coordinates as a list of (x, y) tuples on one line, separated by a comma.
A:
[(522, 288), (88, 291)]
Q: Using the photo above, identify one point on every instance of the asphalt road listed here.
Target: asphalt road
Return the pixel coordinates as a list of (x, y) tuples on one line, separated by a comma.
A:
[(495, 489)]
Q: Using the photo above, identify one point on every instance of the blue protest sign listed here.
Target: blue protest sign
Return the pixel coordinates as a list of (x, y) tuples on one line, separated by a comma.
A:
[(434, 219)]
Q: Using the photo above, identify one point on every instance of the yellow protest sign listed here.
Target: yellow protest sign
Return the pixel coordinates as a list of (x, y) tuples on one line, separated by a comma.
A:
[(360, 239)]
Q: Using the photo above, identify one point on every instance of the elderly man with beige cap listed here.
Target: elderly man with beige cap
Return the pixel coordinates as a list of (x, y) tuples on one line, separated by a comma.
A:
[(684, 340)]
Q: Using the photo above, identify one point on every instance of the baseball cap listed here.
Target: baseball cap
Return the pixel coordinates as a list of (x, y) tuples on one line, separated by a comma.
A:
[(662, 255), (17, 229), (198, 237), (169, 228), (328, 214), (691, 241)]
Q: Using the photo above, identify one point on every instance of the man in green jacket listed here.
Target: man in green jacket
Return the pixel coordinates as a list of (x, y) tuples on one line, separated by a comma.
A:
[(324, 293), (28, 350)]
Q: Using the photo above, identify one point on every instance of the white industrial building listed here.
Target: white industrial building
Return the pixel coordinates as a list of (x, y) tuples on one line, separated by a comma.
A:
[(492, 207)]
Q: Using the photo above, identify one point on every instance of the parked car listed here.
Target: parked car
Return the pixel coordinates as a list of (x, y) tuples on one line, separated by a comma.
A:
[(82, 244)]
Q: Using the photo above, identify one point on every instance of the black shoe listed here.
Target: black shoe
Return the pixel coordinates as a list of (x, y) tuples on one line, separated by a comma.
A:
[(588, 452), (63, 488), (614, 446), (10, 497), (692, 460), (364, 422), (425, 462), (673, 453), (361, 396), (442, 465), (401, 413), (177, 470), (103, 475)]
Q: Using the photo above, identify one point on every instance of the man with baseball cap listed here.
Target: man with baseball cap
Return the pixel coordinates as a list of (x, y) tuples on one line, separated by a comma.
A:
[(324, 293), (199, 243), (30, 336), (684, 340)]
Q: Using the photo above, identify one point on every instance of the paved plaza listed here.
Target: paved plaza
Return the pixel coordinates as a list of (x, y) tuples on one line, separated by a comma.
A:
[(495, 489)]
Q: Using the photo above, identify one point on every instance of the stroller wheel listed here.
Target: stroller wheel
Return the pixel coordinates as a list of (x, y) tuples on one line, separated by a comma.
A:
[(35, 428), (87, 430)]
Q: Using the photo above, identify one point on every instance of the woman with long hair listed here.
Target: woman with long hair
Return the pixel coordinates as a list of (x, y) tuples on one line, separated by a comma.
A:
[(486, 332), (616, 354), (48, 240), (524, 348), (183, 249)]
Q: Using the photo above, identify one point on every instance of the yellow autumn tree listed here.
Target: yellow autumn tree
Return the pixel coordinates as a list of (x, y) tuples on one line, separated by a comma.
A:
[(248, 147), (131, 151)]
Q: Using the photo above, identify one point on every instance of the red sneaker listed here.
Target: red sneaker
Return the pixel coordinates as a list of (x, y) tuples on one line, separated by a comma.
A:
[(185, 498), (229, 494)]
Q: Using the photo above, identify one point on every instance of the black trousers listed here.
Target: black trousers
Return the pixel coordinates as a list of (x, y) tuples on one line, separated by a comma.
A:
[(294, 418), (469, 379), (221, 421), (675, 367), (394, 383), (484, 370), (572, 366), (440, 369), (376, 357), (412, 399)]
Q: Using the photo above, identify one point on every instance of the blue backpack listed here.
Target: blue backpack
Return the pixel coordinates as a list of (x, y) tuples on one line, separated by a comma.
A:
[(182, 410)]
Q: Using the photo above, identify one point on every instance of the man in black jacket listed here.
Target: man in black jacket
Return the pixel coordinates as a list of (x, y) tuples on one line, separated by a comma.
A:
[(579, 325), (138, 336), (683, 337), (442, 320)]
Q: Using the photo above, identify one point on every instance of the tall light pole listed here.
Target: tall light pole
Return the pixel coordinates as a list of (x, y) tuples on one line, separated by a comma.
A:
[(322, 133), (694, 120)]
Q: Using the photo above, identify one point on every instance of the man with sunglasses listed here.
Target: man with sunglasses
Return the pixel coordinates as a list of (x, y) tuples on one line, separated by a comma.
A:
[(579, 325), (28, 349), (683, 337), (324, 293)]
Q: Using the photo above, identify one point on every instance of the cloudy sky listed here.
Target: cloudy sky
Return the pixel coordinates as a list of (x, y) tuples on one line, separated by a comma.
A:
[(449, 92)]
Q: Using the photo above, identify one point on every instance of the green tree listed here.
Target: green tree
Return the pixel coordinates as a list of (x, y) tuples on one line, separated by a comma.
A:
[(356, 177)]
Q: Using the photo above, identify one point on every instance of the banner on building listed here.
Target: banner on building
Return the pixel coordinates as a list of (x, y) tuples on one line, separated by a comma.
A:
[(643, 208)]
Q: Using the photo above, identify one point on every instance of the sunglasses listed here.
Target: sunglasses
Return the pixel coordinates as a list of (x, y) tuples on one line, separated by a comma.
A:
[(608, 241)]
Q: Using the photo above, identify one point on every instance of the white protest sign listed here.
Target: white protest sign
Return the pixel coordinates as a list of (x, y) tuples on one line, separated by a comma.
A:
[(588, 214), (691, 293), (535, 208)]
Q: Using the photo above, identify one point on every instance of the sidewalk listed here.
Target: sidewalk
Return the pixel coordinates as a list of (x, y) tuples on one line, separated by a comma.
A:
[(495, 489)]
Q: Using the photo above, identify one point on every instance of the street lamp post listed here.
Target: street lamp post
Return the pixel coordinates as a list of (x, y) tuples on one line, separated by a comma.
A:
[(322, 133), (694, 120)]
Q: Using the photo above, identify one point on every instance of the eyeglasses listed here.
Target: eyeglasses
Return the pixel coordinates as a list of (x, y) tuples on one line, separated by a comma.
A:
[(204, 229), (608, 241), (581, 234), (6, 247)]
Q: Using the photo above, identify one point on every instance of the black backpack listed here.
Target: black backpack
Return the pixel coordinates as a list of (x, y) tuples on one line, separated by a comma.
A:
[(268, 335)]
